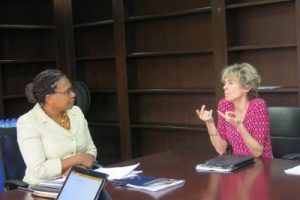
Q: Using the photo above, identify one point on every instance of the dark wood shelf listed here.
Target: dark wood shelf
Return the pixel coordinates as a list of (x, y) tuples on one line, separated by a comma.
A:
[(280, 90), (205, 91), (107, 57), (107, 91), (172, 91), (103, 123), (177, 127), (260, 47), (93, 24), (171, 14), (23, 26), (20, 61), (167, 53), (258, 3)]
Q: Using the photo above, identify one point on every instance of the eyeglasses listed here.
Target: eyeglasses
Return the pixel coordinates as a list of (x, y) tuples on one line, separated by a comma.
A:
[(67, 92)]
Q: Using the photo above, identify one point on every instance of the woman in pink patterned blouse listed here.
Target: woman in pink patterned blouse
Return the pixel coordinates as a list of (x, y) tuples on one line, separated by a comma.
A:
[(243, 118)]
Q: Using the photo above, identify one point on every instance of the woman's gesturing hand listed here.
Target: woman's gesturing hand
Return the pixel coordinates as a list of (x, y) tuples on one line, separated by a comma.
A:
[(230, 117), (205, 115)]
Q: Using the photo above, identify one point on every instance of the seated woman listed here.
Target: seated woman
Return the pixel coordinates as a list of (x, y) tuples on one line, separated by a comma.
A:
[(53, 136), (243, 118)]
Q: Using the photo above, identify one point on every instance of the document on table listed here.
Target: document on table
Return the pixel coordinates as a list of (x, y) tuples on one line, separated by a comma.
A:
[(149, 183), (293, 170), (119, 172)]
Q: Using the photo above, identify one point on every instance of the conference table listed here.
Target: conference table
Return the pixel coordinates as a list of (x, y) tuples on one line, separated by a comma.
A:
[(264, 180)]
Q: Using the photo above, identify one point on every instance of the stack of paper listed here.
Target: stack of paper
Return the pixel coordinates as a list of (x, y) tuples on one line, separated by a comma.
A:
[(54, 182), (44, 194), (119, 172), (49, 188)]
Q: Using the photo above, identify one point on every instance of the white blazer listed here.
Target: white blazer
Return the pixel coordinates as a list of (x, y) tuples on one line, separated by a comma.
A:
[(43, 143)]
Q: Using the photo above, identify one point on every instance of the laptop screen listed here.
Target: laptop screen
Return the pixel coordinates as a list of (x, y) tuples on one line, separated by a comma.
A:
[(81, 185)]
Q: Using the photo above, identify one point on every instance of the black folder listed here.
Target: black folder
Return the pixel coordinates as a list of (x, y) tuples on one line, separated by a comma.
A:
[(230, 161)]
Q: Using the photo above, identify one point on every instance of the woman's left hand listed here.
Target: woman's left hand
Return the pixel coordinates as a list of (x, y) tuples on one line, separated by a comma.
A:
[(230, 117)]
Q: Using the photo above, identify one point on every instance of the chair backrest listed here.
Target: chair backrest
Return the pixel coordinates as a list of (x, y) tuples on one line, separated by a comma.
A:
[(83, 97), (12, 160), (285, 130)]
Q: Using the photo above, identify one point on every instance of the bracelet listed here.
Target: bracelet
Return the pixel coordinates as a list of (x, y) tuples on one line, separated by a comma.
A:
[(213, 134)]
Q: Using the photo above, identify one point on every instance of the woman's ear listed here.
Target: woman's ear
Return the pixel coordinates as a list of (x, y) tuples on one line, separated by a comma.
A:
[(48, 98), (247, 88)]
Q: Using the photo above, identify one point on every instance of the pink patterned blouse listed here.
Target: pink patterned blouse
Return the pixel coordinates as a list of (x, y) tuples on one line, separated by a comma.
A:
[(256, 122)]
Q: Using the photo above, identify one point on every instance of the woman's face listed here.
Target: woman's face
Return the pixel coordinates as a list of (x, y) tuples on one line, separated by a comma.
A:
[(233, 90), (63, 98)]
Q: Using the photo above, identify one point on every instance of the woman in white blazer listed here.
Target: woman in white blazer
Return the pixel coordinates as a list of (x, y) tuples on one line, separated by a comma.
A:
[(53, 136)]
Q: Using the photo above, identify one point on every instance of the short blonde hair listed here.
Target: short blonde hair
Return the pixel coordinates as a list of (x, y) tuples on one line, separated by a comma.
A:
[(247, 74)]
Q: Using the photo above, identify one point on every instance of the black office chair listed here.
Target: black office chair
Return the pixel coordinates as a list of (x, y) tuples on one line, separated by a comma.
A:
[(285, 132), (83, 97), (11, 158)]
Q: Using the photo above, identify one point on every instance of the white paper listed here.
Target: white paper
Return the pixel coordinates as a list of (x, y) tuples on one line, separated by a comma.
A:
[(54, 182), (156, 194), (117, 172), (158, 186), (133, 173), (293, 171)]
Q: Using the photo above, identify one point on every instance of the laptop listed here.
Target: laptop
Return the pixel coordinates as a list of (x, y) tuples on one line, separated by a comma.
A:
[(230, 161), (83, 184)]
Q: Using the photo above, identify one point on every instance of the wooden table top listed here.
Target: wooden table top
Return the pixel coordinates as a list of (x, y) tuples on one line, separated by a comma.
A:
[(265, 180)]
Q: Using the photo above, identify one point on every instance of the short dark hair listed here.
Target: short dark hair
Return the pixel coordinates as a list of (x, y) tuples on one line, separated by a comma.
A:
[(44, 83)]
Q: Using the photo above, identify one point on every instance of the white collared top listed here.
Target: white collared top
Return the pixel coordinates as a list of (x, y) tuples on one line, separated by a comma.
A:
[(43, 143)]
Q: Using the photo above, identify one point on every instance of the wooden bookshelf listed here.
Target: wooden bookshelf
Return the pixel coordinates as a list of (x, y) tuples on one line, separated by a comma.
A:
[(149, 64), (27, 46)]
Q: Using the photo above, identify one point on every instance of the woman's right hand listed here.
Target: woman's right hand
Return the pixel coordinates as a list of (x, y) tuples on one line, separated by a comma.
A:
[(205, 115), (81, 159), (86, 160)]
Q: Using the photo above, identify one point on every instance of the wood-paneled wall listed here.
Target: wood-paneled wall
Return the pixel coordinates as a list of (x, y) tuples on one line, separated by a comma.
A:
[(148, 64)]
